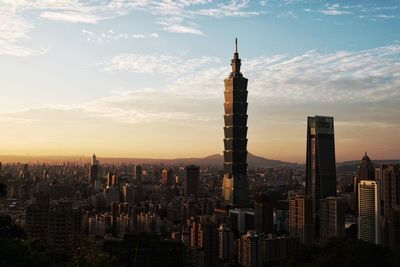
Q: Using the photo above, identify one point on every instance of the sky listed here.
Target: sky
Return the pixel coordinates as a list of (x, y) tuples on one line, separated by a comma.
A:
[(144, 78)]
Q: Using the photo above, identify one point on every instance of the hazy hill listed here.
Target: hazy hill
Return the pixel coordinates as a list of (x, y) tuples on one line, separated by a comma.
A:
[(215, 159)]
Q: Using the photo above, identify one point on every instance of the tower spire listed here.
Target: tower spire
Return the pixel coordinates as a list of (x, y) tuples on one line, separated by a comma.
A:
[(235, 62), (236, 50)]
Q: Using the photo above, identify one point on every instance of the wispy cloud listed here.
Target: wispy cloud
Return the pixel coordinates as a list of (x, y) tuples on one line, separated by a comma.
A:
[(156, 64), (13, 31), (70, 17), (177, 28), (335, 10), (110, 35), (365, 76)]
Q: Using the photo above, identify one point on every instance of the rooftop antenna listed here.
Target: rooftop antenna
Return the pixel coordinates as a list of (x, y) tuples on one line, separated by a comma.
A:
[(236, 45)]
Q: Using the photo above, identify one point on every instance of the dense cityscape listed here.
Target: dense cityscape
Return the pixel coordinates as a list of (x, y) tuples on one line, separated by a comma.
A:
[(236, 213)]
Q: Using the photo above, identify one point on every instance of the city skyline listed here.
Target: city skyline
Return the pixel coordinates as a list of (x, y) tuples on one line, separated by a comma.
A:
[(144, 78)]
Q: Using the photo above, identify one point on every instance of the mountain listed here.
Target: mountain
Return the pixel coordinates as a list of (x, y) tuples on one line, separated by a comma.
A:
[(215, 159)]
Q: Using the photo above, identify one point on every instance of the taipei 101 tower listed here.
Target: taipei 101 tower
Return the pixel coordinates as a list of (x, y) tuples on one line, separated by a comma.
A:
[(235, 187)]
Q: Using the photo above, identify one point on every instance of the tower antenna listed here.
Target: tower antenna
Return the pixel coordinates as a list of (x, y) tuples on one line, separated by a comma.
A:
[(236, 45)]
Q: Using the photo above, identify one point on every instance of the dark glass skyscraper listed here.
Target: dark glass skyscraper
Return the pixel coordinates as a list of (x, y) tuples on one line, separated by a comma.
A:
[(321, 164), (235, 187)]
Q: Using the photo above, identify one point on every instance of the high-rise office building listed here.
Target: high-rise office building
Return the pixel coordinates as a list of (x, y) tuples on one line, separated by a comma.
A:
[(93, 170), (369, 211), (167, 177), (235, 186), (301, 218), (204, 235), (138, 173), (366, 170), (320, 163), (111, 179), (390, 182), (263, 214), (332, 218), (250, 250), (226, 244), (192, 181)]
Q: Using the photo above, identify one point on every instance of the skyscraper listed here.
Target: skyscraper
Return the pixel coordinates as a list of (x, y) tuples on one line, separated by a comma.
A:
[(263, 214), (94, 170), (390, 182), (167, 177), (301, 218), (138, 173), (192, 180), (250, 253), (369, 211), (235, 187), (366, 170), (320, 163), (226, 244), (332, 218)]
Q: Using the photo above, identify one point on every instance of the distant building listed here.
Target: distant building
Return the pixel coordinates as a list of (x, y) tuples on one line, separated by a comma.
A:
[(366, 170), (320, 163), (111, 179), (241, 220), (250, 252), (301, 218), (57, 225), (235, 189), (226, 244), (168, 177), (192, 181), (194, 257), (390, 182), (208, 241), (332, 218), (369, 211), (263, 214), (93, 170), (138, 173)]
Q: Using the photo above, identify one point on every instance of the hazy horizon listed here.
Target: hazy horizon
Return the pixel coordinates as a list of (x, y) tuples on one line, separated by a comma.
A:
[(144, 79)]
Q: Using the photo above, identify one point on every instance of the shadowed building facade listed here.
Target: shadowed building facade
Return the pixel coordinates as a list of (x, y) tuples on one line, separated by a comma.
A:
[(320, 163), (235, 186), (93, 170)]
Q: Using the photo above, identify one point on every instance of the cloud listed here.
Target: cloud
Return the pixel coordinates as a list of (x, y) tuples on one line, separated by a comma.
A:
[(349, 77), (16, 119), (110, 35), (13, 31), (232, 9), (156, 64), (365, 76), (70, 17), (336, 10), (176, 28)]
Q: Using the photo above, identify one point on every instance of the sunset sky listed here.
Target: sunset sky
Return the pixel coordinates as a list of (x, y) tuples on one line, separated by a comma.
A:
[(144, 78)]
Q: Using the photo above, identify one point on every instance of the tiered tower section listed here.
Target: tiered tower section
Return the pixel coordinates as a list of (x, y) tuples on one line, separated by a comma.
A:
[(235, 187)]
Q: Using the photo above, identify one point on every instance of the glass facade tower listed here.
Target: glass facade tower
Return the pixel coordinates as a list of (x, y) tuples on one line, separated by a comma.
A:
[(321, 164)]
